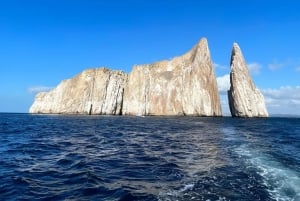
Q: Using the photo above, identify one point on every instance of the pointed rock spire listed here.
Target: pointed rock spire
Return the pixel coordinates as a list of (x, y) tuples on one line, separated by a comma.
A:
[(201, 51), (245, 100)]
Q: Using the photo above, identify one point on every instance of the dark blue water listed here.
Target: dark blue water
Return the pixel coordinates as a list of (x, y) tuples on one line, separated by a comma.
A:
[(51, 157)]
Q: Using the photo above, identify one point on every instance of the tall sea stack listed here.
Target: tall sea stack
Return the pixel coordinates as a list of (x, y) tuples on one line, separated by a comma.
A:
[(185, 85), (245, 100)]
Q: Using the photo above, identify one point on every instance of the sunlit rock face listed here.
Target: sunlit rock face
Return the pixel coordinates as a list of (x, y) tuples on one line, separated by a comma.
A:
[(94, 91), (245, 100), (185, 85)]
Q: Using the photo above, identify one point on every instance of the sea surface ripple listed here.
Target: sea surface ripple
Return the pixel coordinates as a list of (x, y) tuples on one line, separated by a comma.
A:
[(61, 157)]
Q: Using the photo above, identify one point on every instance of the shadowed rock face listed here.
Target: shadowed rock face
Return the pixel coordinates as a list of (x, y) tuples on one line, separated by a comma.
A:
[(185, 85), (245, 100), (94, 91)]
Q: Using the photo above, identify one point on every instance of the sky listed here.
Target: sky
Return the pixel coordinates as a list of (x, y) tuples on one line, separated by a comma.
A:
[(43, 42)]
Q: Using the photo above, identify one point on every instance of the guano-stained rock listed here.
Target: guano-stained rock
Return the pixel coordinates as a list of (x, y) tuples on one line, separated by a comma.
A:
[(185, 85), (94, 91), (245, 100)]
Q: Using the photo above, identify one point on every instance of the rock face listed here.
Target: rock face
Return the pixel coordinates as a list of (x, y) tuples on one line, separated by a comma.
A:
[(245, 100), (94, 91), (185, 85)]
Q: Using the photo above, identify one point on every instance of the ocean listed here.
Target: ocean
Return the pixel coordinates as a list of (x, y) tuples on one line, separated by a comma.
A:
[(61, 157)]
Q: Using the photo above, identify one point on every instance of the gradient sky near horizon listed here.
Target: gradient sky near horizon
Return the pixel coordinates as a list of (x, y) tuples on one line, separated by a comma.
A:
[(45, 41)]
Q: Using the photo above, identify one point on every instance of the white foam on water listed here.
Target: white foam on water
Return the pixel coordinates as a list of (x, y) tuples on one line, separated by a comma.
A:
[(283, 183), (187, 187), (176, 194)]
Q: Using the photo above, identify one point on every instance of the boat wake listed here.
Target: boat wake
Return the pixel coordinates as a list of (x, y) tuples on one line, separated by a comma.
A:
[(283, 183)]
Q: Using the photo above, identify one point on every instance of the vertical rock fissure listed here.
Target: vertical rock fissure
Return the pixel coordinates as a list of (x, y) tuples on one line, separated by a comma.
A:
[(92, 94), (121, 103), (182, 89), (115, 107), (103, 111), (146, 91), (91, 109)]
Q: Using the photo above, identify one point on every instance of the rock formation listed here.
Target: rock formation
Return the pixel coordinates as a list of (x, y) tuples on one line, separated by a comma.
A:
[(245, 100), (94, 91), (185, 85)]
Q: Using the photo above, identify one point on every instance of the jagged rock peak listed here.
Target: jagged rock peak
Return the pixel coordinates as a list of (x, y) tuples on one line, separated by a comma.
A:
[(245, 100), (202, 45), (237, 60), (200, 52)]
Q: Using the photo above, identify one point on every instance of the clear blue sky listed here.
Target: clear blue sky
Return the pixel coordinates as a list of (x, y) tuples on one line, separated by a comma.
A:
[(45, 41)]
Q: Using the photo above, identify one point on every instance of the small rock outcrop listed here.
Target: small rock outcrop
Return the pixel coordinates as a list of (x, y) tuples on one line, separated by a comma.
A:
[(94, 91), (245, 100), (185, 85)]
